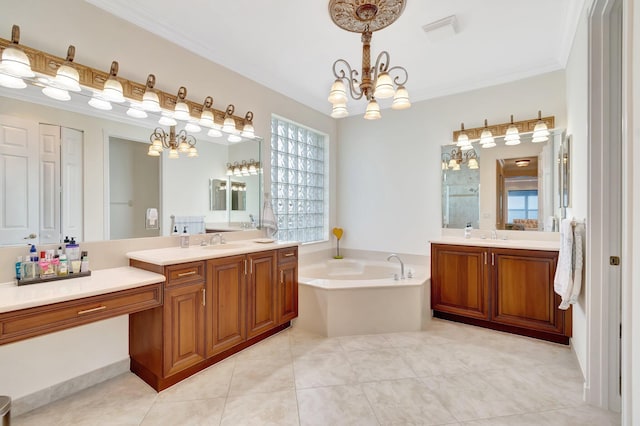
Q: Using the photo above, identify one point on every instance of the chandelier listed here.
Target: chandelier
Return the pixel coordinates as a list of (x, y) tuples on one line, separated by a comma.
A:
[(365, 17), (180, 143), (457, 156)]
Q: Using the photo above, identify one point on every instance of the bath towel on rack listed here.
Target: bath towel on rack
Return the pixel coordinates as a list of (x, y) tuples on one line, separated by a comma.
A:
[(568, 279)]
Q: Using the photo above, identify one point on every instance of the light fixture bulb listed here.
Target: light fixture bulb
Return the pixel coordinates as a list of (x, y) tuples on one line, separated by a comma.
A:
[(339, 111), (384, 86), (463, 138), (98, 102), (67, 78), (14, 61), (214, 132), (193, 152), (156, 145), (229, 125), (150, 99), (373, 110), (57, 94), (206, 119), (236, 170), (152, 152), (234, 138), (252, 169), (192, 127), (165, 120), (135, 110), (401, 99), (512, 135), (452, 163), (183, 146), (181, 110), (12, 82), (456, 167), (486, 137), (338, 93), (173, 154), (473, 164), (112, 90)]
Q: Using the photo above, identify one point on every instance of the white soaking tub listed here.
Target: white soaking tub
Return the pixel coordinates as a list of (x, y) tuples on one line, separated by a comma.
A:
[(341, 297)]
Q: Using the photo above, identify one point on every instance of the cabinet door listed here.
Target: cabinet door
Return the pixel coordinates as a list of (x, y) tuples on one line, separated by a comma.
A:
[(459, 280), (226, 301), (184, 327), (261, 297), (522, 286), (287, 292)]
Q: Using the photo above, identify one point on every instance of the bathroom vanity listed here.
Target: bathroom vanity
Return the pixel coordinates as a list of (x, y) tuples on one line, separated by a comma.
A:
[(503, 285), (218, 300)]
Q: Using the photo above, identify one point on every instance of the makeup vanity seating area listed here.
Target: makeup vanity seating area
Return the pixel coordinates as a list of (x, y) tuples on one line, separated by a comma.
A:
[(505, 285), (188, 307)]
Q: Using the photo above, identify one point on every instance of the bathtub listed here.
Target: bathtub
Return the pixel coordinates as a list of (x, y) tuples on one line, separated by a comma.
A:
[(357, 296)]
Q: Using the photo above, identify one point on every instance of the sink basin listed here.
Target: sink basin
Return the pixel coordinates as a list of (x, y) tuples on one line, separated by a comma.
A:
[(229, 246)]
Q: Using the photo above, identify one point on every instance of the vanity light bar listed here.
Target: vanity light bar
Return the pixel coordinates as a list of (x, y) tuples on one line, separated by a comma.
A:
[(91, 78), (499, 130)]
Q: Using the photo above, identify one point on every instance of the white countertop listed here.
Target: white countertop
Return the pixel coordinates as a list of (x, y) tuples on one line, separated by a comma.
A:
[(14, 297), (174, 255), (512, 244)]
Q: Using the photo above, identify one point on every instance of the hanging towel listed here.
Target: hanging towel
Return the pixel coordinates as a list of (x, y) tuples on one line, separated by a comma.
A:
[(568, 279), (269, 222)]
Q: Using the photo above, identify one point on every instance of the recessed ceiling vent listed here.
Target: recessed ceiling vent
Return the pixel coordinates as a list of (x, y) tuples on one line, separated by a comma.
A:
[(441, 29)]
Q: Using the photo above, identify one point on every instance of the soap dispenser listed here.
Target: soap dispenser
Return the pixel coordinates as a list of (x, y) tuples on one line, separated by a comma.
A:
[(467, 230), (184, 238)]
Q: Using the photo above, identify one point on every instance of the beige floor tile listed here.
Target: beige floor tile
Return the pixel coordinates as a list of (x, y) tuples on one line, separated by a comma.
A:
[(364, 343), (335, 405), (274, 408), (323, 370), (469, 397), (213, 382), (384, 364), (185, 413), (276, 346), (432, 360), (577, 416), (261, 375), (406, 401)]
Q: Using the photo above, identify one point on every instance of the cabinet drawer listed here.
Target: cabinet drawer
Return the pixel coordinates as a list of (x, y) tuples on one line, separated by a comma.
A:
[(185, 273), (288, 255), (32, 322)]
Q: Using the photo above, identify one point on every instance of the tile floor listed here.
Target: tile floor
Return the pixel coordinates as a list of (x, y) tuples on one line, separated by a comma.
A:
[(450, 374)]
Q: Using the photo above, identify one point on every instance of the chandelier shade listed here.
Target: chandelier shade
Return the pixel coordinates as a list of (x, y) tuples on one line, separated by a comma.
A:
[(150, 99)]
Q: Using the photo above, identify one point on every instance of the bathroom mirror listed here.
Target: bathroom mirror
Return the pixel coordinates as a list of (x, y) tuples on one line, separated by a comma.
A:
[(479, 190), (218, 194), (183, 182)]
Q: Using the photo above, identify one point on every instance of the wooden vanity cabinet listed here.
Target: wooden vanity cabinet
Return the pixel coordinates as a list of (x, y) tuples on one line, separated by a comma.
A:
[(504, 289), (212, 309), (287, 291)]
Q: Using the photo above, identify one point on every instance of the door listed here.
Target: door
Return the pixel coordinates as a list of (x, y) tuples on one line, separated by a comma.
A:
[(522, 286), (183, 327), (19, 181), (49, 188), (71, 178), (261, 296), (459, 280), (287, 292), (226, 303)]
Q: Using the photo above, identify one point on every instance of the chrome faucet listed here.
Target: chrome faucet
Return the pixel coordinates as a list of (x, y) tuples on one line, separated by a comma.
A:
[(214, 236), (393, 255), (494, 234)]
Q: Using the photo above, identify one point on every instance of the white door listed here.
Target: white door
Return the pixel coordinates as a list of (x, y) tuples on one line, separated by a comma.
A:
[(72, 178), (49, 184), (18, 181)]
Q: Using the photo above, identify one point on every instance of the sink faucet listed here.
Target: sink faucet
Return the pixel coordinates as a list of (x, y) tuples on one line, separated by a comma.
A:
[(494, 234), (393, 255), (213, 238)]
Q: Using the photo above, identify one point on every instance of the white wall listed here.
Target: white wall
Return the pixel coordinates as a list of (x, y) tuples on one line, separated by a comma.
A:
[(577, 113), (389, 170)]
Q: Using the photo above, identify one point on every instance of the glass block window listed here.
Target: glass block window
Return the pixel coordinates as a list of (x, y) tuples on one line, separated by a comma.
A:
[(298, 181), (523, 204)]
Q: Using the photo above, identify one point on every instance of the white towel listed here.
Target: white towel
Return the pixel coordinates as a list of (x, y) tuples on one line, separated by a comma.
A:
[(568, 279), (269, 222)]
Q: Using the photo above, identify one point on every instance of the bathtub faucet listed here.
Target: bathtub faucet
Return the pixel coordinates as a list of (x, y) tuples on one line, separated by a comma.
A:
[(393, 255)]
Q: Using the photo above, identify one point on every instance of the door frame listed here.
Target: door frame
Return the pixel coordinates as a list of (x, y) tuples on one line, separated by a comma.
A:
[(608, 138)]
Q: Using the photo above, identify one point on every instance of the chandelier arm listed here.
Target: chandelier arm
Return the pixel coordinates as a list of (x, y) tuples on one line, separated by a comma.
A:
[(382, 64), (352, 79), (397, 79)]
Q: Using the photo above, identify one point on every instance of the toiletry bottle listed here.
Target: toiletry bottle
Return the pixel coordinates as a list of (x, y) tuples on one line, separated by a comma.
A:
[(72, 250), (63, 267), (467, 230), (84, 264), (19, 268), (184, 238), (33, 253)]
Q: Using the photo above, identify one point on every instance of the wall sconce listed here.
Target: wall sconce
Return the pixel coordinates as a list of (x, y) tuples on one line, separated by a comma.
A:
[(453, 160), (511, 132), (247, 129), (229, 125), (243, 168), (486, 137), (15, 63), (181, 142), (66, 79), (540, 131), (112, 91), (463, 140), (150, 99), (512, 137)]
